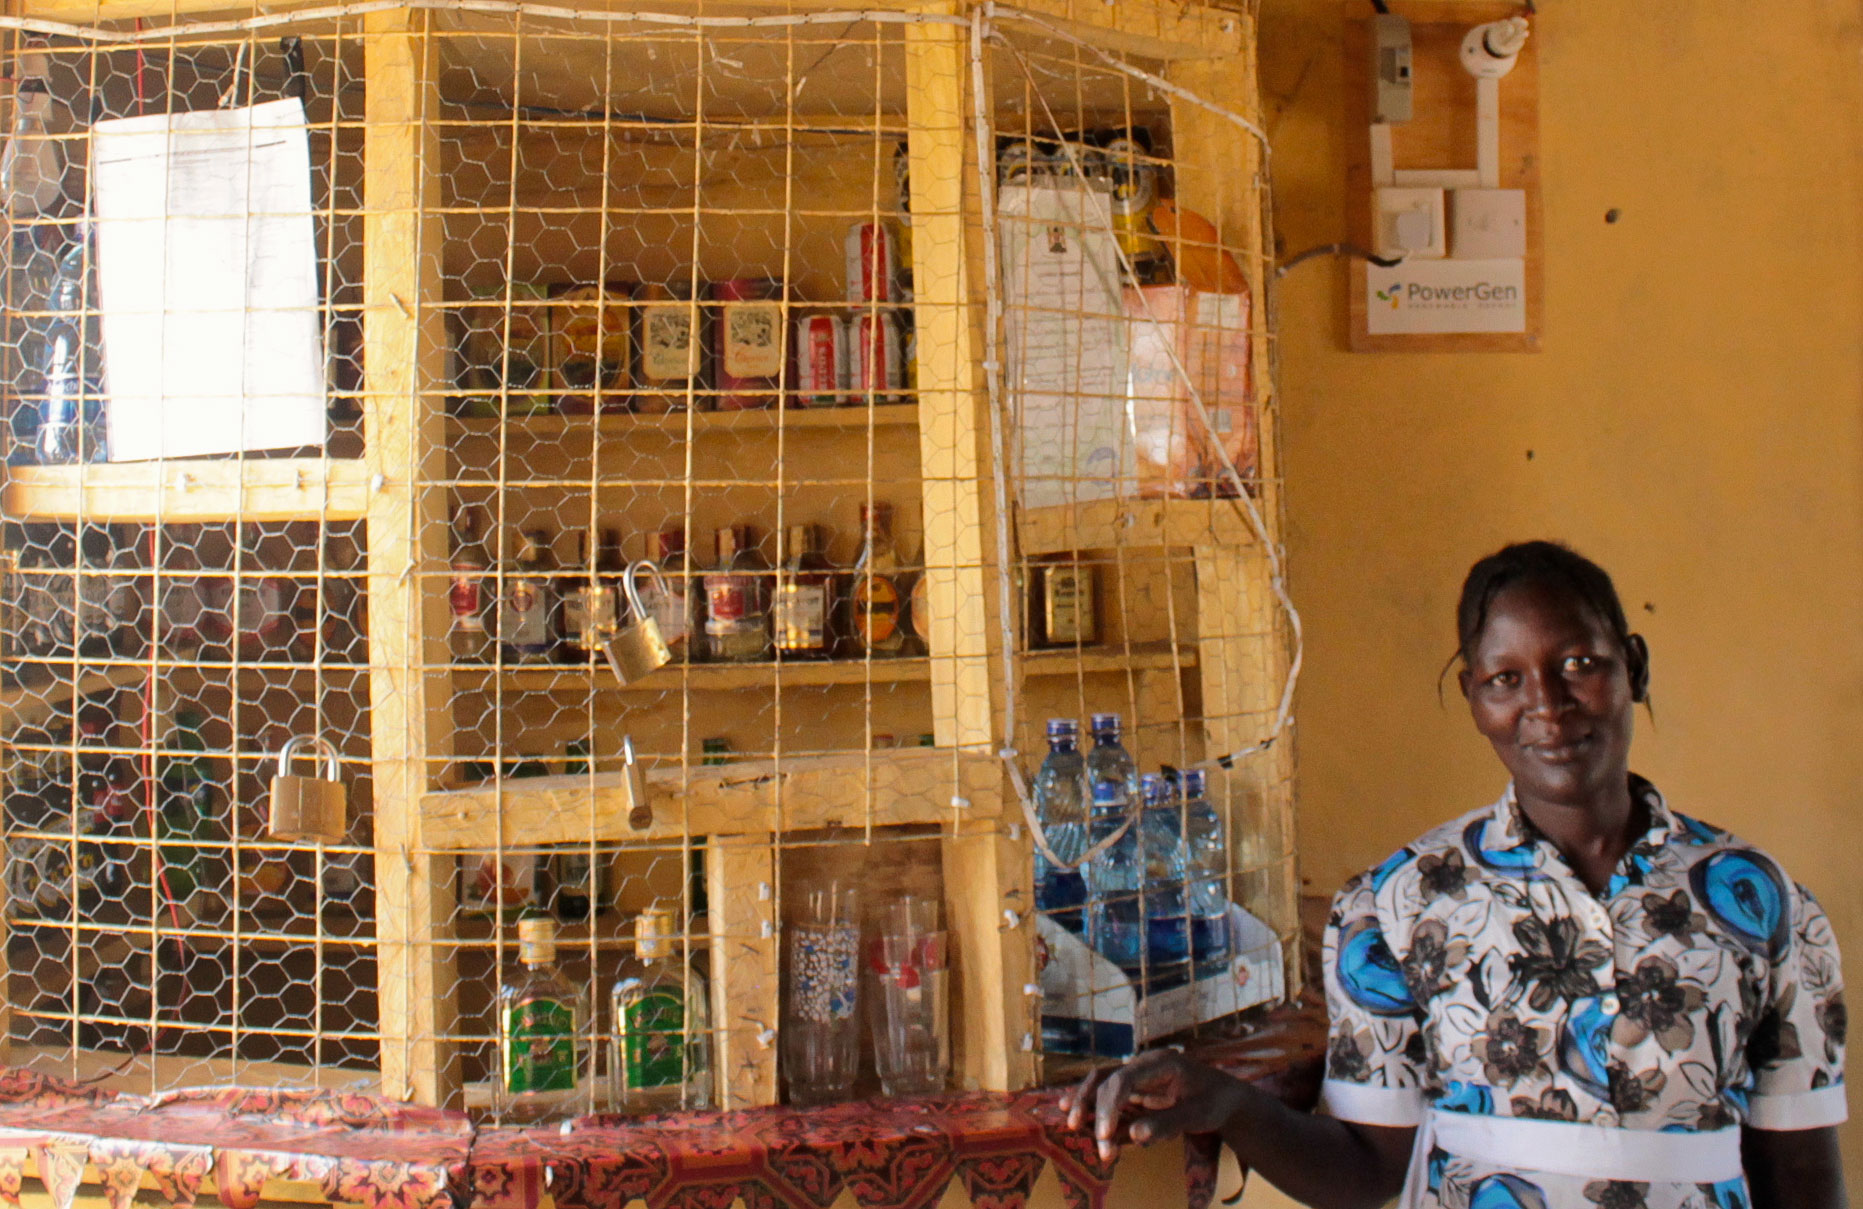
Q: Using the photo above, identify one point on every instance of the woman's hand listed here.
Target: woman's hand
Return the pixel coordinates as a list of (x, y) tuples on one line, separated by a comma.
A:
[(1176, 1094)]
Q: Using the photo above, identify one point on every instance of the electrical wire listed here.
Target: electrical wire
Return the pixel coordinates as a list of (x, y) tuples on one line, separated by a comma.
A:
[(1339, 249)]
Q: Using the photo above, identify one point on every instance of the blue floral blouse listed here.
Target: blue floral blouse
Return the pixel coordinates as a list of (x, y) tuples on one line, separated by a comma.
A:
[(1473, 972)]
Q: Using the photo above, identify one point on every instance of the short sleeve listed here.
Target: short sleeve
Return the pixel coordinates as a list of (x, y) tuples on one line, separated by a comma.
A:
[(1796, 1051), (1374, 1050)]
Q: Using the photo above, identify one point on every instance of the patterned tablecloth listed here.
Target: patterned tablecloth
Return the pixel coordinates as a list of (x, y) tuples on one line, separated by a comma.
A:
[(890, 1154)]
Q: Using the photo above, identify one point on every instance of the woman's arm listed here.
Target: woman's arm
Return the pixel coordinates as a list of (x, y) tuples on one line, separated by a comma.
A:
[(1794, 1169), (1318, 1161)]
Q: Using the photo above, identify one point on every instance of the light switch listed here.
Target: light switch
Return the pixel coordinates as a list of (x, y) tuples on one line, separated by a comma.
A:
[(1488, 224), (1409, 223)]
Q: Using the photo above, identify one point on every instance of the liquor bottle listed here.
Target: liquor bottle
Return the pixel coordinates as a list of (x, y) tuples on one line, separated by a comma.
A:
[(1064, 603), (466, 594), (543, 1022), (187, 872), (71, 418), (1206, 868), (714, 751), (672, 610), (802, 613), (1161, 894), (527, 610), (876, 600), (662, 1048), (737, 623), (591, 606), (1115, 923), (1061, 805), (32, 185)]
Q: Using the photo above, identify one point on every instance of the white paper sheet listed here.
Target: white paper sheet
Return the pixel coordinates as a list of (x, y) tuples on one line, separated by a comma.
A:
[(207, 277), (1067, 343)]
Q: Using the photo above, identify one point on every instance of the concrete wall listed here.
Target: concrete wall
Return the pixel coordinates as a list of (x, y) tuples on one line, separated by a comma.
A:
[(1693, 423)]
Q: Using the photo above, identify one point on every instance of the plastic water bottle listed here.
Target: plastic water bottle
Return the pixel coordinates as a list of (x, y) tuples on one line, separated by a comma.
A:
[(1167, 926), (1061, 805), (1207, 871), (1115, 920), (71, 365)]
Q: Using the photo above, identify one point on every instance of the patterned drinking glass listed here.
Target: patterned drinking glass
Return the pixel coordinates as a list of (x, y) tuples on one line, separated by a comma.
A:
[(821, 1037)]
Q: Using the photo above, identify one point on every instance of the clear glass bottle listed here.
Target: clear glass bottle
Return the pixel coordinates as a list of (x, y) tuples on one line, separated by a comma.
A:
[(661, 1059), (591, 605), (672, 610), (1206, 867), (1161, 894), (466, 593), (1115, 921), (1061, 805), (876, 603), (71, 421), (527, 609), (543, 1026), (737, 615), (803, 609)]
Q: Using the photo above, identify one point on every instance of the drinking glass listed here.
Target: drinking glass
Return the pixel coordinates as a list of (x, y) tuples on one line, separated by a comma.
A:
[(911, 1008), (821, 1037)]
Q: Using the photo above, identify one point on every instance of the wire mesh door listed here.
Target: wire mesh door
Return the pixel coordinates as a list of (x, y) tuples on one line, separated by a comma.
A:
[(738, 434)]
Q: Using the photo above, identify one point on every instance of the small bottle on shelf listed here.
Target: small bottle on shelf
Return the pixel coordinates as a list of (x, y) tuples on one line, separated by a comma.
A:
[(1161, 838), (1206, 868), (527, 611), (590, 606), (876, 600), (1115, 923), (661, 1058), (466, 594), (1064, 603), (803, 610), (737, 623), (672, 610), (543, 1022)]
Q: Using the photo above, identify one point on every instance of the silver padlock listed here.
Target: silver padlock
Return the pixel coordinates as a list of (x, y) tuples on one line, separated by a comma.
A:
[(308, 808), (638, 648), (634, 781)]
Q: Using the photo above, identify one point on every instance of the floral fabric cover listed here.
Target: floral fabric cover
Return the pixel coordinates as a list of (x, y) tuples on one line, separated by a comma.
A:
[(1473, 972)]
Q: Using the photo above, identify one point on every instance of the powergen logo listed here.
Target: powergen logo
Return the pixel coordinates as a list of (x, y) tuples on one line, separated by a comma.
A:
[(1419, 294)]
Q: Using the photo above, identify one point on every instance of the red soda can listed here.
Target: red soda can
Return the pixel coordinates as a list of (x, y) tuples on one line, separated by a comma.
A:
[(821, 361), (877, 369), (872, 263)]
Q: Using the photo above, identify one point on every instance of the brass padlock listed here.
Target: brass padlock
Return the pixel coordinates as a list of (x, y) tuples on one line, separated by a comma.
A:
[(634, 781), (638, 648), (308, 808)]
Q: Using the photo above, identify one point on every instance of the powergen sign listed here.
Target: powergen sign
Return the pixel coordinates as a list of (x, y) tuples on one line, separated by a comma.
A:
[(1446, 296)]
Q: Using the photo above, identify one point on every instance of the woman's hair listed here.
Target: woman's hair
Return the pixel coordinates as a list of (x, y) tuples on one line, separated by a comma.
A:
[(1542, 564)]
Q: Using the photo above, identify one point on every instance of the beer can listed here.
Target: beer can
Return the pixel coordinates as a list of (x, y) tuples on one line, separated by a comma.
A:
[(877, 368), (872, 263), (821, 361)]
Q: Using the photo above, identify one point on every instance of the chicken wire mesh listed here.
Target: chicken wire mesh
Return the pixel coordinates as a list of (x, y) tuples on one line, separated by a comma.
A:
[(895, 368)]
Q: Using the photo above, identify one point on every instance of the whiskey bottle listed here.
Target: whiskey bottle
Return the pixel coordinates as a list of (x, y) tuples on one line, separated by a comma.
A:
[(802, 612), (737, 624), (591, 605), (877, 604), (527, 610), (466, 593), (673, 609)]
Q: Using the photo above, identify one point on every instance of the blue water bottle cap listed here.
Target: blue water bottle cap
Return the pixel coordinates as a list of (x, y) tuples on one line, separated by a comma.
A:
[(1103, 723), (1063, 728), (1196, 782), (1154, 788)]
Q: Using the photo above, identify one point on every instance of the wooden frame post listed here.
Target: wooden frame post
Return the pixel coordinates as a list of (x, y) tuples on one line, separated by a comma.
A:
[(410, 691), (988, 899)]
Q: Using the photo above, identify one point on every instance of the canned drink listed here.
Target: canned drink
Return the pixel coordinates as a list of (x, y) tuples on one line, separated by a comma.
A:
[(821, 361), (878, 361), (872, 263)]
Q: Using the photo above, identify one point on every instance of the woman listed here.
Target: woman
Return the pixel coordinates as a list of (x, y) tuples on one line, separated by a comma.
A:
[(1576, 997)]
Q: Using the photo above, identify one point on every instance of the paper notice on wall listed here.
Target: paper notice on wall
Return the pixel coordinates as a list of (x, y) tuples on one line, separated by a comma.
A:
[(1066, 333), (1445, 296), (207, 277)]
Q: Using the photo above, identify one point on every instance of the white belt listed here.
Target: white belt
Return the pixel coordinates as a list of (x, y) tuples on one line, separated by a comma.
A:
[(1559, 1148)]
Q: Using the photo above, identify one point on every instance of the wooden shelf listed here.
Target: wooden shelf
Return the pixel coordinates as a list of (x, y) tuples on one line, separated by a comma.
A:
[(696, 677), (1107, 524), (1092, 661), (259, 489), (31, 704), (744, 797), (701, 423)]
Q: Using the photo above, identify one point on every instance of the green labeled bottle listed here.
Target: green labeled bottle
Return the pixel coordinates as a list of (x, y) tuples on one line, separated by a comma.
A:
[(662, 1048), (542, 1034)]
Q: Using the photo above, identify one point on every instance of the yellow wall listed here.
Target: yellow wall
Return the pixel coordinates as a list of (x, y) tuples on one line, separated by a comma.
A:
[(1693, 424)]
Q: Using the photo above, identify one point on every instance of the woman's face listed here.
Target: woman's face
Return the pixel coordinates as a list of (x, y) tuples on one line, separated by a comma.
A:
[(1549, 687)]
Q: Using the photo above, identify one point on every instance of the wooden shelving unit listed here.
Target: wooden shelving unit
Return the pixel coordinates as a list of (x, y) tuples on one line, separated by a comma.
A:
[(415, 227)]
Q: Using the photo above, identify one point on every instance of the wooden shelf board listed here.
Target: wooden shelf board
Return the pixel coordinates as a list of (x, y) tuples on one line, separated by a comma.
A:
[(884, 787), (698, 677), (259, 489), (702, 423), (1107, 524), (1140, 657), (30, 704)]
